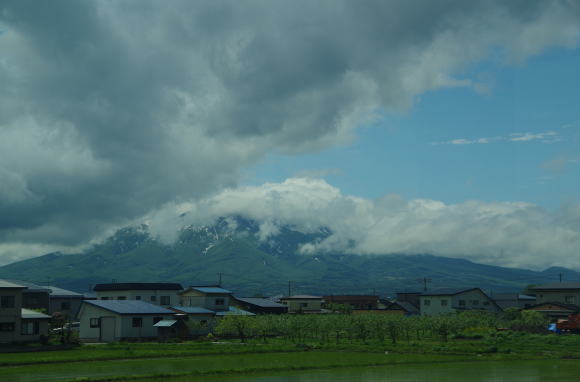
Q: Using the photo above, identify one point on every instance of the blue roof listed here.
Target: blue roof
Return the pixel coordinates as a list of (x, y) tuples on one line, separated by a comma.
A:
[(192, 310), (234, 312), (129, 306), (211, 290)]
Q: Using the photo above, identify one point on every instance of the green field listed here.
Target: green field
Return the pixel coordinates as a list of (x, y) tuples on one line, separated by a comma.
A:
[(160, 362)]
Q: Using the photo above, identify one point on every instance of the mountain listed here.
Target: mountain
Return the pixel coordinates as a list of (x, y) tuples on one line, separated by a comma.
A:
[(231, 250)]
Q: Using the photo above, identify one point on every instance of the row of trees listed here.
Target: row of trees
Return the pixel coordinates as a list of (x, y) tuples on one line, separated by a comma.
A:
[(372, 327)]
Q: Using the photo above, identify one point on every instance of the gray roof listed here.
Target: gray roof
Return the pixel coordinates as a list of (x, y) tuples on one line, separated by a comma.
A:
[(128, 306), (407, 306), (193, 310), (447, 291), (261, 302), (32, 314), (59, 292), (555, 286), (233, 311), (165, 323), (8, 284), (302, 297), (512, 296), (30, 286), (211, 290), (136, 286)]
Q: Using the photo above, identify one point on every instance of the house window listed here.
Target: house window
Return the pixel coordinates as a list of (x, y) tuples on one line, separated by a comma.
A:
[(121, 298), (137, 322), (220, 301), (570, 299), (461, 302), (33, 300), (137, 297), (7, 302), (443, 302), (157, 319), (486, 303), (95, 322), (303, 304), (153, 298), (65, 305), (475, 302), (7, 326), (165, 300), (427, 302), (29, 328)]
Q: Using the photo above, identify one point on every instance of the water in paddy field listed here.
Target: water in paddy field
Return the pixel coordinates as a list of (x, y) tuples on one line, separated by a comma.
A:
[(520, 371)]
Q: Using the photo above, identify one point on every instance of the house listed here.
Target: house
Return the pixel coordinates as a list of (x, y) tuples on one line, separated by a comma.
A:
[(116, 320), (65, 302), (410, 297), (555, 310), (17, 324), (513, 300), (403, 308), (212, 297), (453, 300), (564, 292), (199, 321), (259, 305), (356, 302), (164, 294), (303, 303)]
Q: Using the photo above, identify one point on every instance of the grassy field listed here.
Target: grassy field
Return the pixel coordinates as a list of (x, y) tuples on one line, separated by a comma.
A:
[(157, 361)]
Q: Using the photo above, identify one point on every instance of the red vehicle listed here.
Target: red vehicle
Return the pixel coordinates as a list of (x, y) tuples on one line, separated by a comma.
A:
[(570, 324)]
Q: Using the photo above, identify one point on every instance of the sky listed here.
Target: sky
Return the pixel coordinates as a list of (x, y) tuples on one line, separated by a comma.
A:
[(447, 127)]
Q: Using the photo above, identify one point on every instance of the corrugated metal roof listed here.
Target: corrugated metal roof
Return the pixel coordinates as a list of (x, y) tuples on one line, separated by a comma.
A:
[(233, 311), (31, 314), (564, 285), (193, 310), (262, 302), (446, 291), (137, 286), (302, 297), (8, 284), (30, 286), (59, 292), (211, 290), (128, 306), (165, 323)]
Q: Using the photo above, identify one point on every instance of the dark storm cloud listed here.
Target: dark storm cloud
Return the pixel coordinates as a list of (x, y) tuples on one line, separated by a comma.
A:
[(109, 109)]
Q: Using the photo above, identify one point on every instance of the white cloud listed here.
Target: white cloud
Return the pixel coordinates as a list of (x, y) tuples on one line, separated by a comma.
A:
[(508, 234), (544, 137)]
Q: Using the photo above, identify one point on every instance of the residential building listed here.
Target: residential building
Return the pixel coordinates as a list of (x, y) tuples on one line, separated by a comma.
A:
[(356, 302), (453, 300), (163, 294), (212, 297), (303, 303), (403, 308), (259, 305), (513, 300), (65, 302), (17, 324), (564, 292), (555, 310), (116, 320)]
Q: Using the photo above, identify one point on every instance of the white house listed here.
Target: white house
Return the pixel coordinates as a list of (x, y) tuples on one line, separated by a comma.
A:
[(115, 320), (452, 300), (164, 294)]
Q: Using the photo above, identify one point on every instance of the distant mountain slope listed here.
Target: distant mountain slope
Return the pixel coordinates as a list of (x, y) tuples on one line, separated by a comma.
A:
[(231, 250)]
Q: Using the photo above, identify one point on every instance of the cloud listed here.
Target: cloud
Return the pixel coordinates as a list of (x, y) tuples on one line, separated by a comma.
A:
[(545, 137), (509, 234), (111, 109), (320, 173)]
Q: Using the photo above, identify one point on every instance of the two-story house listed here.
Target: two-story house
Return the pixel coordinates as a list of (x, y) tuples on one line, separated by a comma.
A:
[(453, 300), (564, 292), (17, 324), (212, 297), (164, 294), (303, 303)]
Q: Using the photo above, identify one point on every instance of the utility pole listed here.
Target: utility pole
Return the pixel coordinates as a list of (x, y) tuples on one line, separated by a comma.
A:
[(425, 280), (560, 275), (220, 279), (289, 288)]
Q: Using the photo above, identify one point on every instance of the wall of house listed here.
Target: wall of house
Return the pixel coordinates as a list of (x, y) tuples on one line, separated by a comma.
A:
[(59, 304), (11, 315), (86, 333), (208, 301), (470, 300), (35, 300), (570, 296), (126, 329), (152, 296), (296, 306)]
